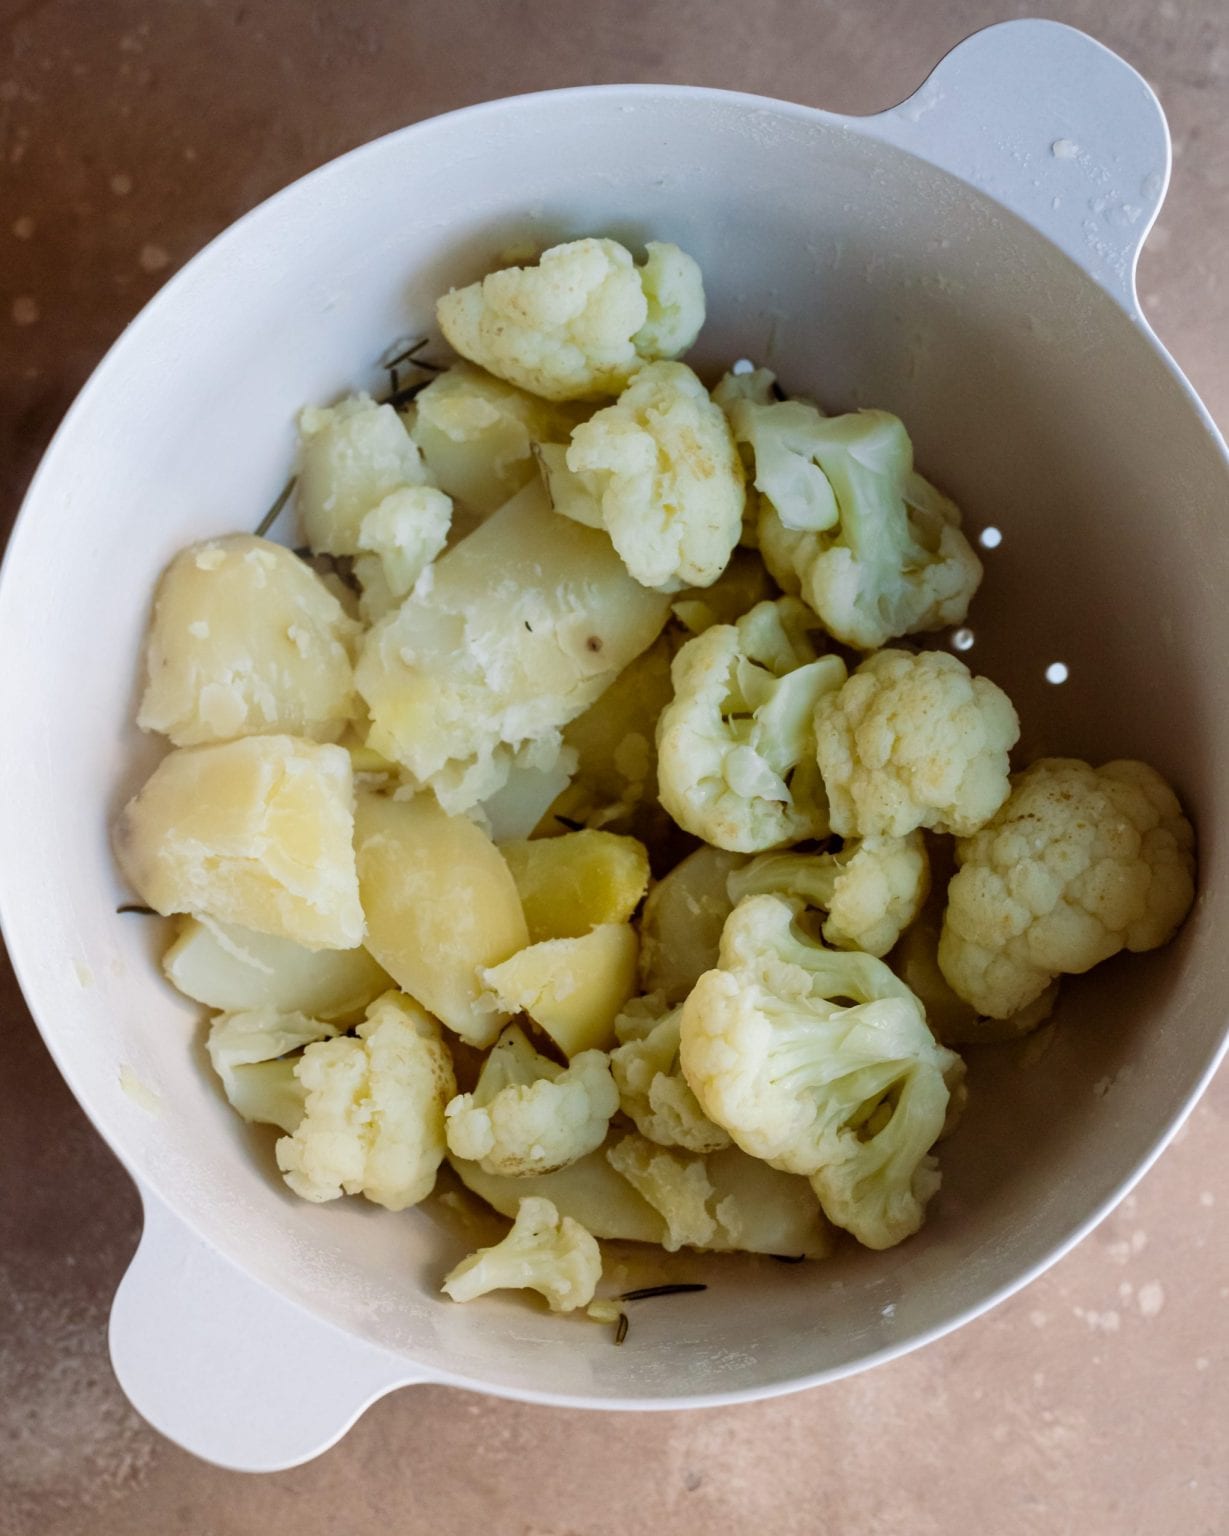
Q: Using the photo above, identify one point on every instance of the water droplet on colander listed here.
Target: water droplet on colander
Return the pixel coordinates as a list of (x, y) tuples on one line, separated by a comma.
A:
[(1057, 672), (962, 639), (990, 538)]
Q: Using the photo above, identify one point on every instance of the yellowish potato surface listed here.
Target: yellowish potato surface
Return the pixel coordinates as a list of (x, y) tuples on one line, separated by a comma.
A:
[(245, 639), (573, 988), (257, 832), (440, 904), (576, 882)]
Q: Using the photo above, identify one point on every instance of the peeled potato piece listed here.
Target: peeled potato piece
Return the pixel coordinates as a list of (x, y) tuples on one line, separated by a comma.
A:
[(576, 882), (237, 971), (257, 832), (573, 988), (246, 638), (440, 905), (683, 918)]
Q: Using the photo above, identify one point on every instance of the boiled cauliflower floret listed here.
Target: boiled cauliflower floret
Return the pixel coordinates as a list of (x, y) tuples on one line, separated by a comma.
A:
[(845, 520), (580, 323), (658, 470), (477, 435), (544, 1252), (851, 1093), (374, 1118), (914, 741), (528, 1115), (351, 456), (254, 1053), (399, 538), (652, 1089), (678, 1187), (736, 745), (1079, 863), (871, 890), (952, 1021)]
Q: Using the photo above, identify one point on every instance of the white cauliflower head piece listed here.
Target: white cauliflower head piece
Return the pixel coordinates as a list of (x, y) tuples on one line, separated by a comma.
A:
[(871, 890), (845, 520), (544, 1252), (653, 1092), (820, 1063), (1080, 863), (255, 1053), (660, 472), (736, 745), (399, 538), (675, 1185), (580, 323), (374, 1117), (529, 1115), (914, 741)]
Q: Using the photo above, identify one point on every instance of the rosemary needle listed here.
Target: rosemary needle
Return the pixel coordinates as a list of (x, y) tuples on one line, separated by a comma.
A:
[(648, 1291), (270, 517)]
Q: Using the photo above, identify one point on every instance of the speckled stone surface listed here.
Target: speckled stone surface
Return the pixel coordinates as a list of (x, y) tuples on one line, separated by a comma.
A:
[(1097, 1402)]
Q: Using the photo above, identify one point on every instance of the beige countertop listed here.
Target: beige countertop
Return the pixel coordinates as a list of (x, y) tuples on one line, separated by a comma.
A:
[(1096, 1402)]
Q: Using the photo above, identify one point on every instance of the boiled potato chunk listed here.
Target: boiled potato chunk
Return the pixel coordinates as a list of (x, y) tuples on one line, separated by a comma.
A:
[(572, 988), (683, 918), (755, 1209), (351, 456), (246, 638), (615, 784), (522, 626), (477, 434), (576, 882), (237, 970), (440, 904), (257, 832)]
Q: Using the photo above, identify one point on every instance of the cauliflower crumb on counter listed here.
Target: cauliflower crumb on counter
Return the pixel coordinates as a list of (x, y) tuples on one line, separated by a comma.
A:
[(562, 809)]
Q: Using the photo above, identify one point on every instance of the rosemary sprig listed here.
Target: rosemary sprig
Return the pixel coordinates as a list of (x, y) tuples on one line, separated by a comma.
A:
[(270, 517), (136, 909), (400, 394), (788, 1258), (648, 1291), (621, 1328), (572, 826)]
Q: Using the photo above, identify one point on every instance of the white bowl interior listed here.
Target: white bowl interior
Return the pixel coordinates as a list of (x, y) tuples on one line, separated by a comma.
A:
[(861, 275)]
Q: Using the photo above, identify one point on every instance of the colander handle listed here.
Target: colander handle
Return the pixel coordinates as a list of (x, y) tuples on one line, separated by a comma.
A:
[(1054, 126), (227, 1369)]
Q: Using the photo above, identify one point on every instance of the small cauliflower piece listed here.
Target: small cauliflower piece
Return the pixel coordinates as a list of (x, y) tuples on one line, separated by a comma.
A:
[(374, 1118), (574, 883), (519, 805), (871, 890), (511, 634), (351, 456), (246, 639), (544, 1252), (953, 1022), (441, 904), (254, 1053), (477, 435), (397, 540), (1079, 863), (680, 928), (237, 970), (527, 1115), (653, 1092), (914, 741), (820, 1062), (580, 323), (572, 988), (677, 1187), (615, 783), (845, 520), (736, 745), (256, 832), (658, 470)]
